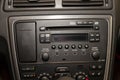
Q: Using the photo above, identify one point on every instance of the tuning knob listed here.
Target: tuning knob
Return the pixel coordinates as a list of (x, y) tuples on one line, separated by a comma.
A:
[(66, 78), (95, 55)]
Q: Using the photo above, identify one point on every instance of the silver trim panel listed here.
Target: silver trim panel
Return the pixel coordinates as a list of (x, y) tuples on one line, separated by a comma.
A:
[(12, 20)]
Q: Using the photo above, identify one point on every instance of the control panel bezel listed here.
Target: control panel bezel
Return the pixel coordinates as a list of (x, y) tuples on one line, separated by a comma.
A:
[(12, 20)]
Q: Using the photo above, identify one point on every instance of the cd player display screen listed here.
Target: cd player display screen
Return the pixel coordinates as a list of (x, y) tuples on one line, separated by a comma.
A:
[(69, 37)]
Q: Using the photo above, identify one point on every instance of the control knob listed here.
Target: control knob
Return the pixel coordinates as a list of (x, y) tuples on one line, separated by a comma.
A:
[(45, 56), (95, 55), (81, 76), (44, 76), (66, 78)]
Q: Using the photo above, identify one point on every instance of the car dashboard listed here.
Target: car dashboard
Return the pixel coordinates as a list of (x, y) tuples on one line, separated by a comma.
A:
[(59, 39)]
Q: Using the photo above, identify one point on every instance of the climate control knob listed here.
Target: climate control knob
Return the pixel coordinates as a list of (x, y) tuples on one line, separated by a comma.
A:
[(81, 76), (95, 55), (66, 78), (44, 76)]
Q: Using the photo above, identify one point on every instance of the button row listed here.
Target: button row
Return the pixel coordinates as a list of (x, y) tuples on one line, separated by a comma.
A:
[(84, 22), (95, 27), (29, 75), (67, 46), (95, 74), (27, 72), (96, 67)]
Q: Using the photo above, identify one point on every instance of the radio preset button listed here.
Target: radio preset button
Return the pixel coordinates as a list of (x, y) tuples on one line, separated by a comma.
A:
[(60, 46), (53, 47), (66, 46), (73, 46), (86, 46), (79, 46)]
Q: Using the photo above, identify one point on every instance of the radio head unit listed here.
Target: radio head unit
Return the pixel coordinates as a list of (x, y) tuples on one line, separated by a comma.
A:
[(65, 48)]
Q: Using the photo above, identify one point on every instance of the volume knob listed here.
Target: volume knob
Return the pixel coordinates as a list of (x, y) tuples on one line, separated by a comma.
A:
[(95, 55)]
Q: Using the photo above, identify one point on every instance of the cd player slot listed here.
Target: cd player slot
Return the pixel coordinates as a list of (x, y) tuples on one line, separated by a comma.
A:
[(70, 27)]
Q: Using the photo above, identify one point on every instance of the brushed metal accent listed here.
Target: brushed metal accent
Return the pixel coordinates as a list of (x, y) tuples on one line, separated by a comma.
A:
[(12, 20), (58, 3)]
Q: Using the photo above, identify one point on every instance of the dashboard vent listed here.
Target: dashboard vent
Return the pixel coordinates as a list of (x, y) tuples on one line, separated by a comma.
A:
[(84, 3), (33, 3)]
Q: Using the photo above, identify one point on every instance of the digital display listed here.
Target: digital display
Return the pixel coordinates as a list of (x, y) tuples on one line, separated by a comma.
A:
[(69, 37)]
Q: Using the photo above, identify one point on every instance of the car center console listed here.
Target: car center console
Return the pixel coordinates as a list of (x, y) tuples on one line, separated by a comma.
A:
[(61, 46), (48, 48)]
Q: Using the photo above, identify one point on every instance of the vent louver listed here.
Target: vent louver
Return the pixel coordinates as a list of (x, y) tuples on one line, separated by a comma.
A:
[(33, 3), (84, 3)]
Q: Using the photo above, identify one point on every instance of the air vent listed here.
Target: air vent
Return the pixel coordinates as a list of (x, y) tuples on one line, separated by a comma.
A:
[(33, 3), (84, 3)]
